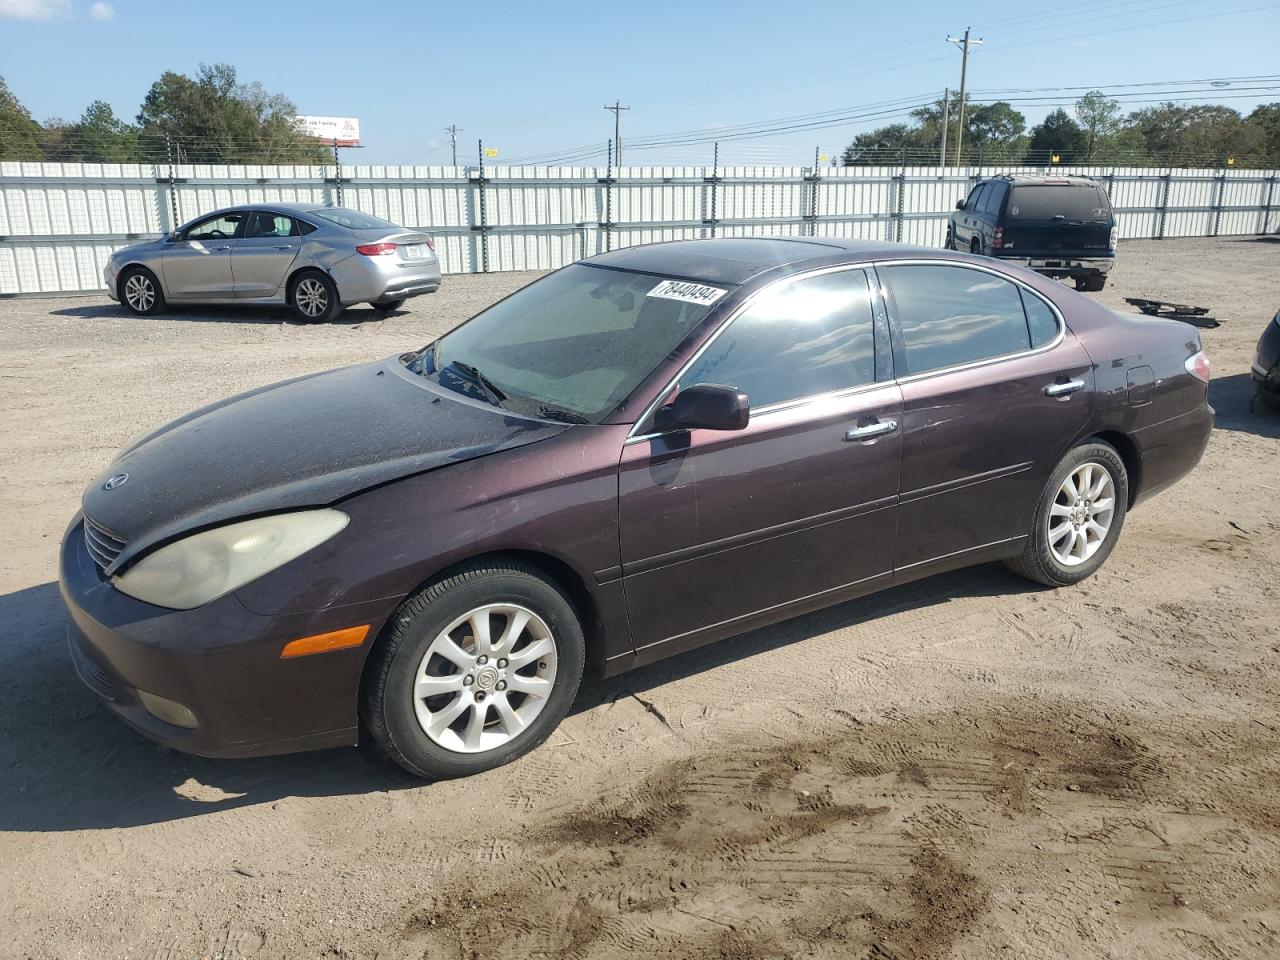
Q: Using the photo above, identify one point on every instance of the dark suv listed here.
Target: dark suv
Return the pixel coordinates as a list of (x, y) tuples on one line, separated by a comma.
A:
[(1058, 226)]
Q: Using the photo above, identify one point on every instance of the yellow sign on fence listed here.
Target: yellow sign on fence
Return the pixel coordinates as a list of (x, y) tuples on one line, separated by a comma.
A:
[(491, 152)]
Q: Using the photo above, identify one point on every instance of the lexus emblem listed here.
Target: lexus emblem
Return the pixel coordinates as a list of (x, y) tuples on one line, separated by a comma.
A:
[(119, 480)]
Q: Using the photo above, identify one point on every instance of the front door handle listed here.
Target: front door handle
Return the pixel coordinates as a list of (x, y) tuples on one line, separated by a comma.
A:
[(1063, 389), (877, 429), (227, 247)]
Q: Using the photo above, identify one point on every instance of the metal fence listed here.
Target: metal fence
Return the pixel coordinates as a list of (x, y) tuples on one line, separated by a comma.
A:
[(60, 222)]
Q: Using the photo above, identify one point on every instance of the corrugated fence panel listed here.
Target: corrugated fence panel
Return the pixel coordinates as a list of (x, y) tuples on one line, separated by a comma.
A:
[(60, 221)]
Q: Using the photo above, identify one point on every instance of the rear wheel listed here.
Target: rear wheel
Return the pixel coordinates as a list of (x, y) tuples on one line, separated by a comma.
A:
[(975, 246), (477, 670), (314, 297), (1078, 517), (140, 292), (1091, 283)]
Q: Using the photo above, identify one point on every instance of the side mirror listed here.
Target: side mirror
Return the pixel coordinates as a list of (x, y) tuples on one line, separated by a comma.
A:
[(959, 204), (706, 406)]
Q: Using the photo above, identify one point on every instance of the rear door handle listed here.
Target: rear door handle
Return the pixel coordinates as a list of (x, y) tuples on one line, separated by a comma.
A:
[(877, 429), (1063, 389), (284, 246)]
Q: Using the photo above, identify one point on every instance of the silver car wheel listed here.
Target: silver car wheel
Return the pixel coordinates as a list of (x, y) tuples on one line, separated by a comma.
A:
[(1081, 513), (140, 292), (311, 297), (485, 678)]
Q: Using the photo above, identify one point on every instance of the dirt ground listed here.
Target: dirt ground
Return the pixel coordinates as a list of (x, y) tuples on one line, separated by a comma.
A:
[(967, 766)]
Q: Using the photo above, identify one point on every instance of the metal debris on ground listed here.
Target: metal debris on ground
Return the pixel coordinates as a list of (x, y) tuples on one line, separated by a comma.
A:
[(1196, 316)]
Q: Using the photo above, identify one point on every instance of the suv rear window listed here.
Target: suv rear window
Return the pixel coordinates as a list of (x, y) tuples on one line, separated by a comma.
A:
[(1046, 201)]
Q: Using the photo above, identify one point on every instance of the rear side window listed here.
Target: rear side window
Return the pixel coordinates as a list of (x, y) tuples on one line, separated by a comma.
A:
[(1044, 202), (954, 315), (264, 224), (991, 202), (1041, 322), (799, 340)]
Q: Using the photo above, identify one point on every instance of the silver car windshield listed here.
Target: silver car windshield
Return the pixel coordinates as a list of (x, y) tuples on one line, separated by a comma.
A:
[(575, 343)]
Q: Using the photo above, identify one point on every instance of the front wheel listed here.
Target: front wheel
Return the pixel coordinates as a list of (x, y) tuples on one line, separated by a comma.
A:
[(140, 292), (1078, 517), (314, 297), (950, 242), (476, 670)]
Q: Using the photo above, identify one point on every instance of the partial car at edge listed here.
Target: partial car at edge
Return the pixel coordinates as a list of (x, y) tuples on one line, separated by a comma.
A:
[(315, 259), (642, 453)]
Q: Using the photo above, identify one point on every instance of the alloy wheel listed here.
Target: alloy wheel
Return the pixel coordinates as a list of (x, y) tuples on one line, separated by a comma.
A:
[(485, 678), (1081, 514), (140, 292), (311, 297)]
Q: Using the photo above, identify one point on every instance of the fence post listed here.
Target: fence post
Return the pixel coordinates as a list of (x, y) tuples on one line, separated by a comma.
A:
[(1220, 193), (173, 186), (714, 180), (1271, 195), (483, 226), (902, 190), (813, 178), (1164, 202), (607, 226)]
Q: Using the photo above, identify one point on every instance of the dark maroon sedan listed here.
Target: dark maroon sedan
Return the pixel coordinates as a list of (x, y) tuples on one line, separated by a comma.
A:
[(639, 454)]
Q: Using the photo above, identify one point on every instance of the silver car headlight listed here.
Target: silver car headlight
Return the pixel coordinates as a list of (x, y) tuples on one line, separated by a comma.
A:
[(191, 572)]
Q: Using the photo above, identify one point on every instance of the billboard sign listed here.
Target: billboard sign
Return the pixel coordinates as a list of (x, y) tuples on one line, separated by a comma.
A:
[(345, 130)]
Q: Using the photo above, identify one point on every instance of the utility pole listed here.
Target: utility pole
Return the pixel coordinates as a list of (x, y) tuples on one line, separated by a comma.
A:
[(453, 130), (617, 109), (946, 109), (964, 43)]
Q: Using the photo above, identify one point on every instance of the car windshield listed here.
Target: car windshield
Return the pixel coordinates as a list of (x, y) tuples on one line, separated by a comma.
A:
[(351, 219), (1045, 202), (572, 345)]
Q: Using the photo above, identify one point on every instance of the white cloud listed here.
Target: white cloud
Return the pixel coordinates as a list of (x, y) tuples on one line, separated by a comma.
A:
[(34, 9), (102, 11)]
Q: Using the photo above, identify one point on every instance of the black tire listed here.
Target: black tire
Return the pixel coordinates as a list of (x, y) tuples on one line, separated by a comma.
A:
[(389, 306), (314, 297), (1091, 283), (975, 247), (950, 242), (1037, 561), (387, 697), (138, 286)]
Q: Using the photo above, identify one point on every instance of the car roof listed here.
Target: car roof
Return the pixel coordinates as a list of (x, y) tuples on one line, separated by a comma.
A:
[(1046, 180), (290, 209), (736, 260)]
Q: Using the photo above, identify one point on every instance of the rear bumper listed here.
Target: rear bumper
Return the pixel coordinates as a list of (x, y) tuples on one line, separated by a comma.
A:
[(362, 279), (220, 661), (1170, 449), (1065, 266)]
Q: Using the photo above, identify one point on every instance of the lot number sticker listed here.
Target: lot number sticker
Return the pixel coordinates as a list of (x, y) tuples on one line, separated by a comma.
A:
[(688, 292)]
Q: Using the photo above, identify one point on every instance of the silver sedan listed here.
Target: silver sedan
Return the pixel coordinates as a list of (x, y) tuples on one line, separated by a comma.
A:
[(314, 259)]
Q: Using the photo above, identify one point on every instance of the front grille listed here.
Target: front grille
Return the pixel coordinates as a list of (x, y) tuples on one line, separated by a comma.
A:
[(103, 545), (93, 676)]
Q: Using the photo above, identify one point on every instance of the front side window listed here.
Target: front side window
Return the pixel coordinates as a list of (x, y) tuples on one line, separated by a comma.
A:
[(574, 344), (799, 339), (215, 228), (953, 315), (971, 203), (264, 224)]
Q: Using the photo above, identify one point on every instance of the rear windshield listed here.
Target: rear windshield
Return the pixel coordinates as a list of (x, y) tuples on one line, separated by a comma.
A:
[(351, 219), (1045, 202)]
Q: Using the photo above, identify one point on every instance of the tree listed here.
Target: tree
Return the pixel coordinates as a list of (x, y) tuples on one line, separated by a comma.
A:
[(1266, 120), (215, 119), (883, 145), (19, 134), (1099, 118), (995, 130), (1057, 135), (99, 137)]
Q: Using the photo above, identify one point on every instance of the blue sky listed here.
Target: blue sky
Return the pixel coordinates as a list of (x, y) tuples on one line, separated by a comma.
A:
[(532, 78)]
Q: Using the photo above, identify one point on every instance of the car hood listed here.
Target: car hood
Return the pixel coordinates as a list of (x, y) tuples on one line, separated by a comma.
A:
[(301, 443)]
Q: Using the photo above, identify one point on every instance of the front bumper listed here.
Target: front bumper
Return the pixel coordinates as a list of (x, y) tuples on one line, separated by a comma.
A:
[(362, 279), (220, 660), (1266, 362), (1065, 266), (109, 276)]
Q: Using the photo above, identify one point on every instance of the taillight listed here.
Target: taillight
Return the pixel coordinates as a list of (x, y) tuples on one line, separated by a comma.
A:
[(1115, 236), (431, 245), (999, 241), (376, 249), (1198, 365)]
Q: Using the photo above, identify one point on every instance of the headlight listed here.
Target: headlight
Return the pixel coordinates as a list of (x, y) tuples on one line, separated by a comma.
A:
[(203, 567)]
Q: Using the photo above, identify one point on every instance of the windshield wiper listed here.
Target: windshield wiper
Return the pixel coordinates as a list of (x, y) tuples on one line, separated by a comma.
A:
[(480, 380), (559, 413)]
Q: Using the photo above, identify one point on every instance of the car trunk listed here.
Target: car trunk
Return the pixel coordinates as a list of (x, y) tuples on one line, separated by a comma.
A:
[(410, 244), (1057, 220)]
